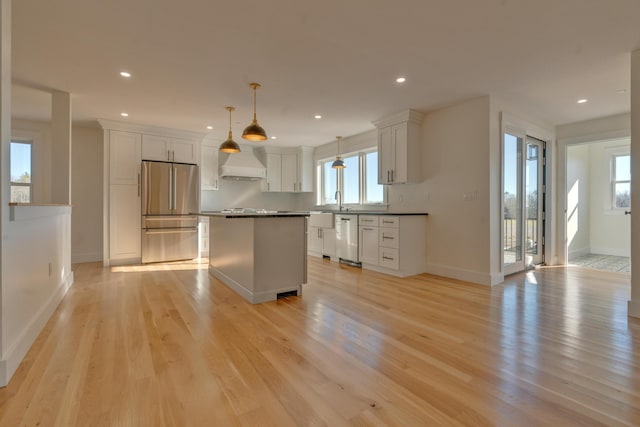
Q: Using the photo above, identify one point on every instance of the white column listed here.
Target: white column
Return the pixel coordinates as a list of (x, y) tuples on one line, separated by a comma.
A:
[(61, 147), (634, 303), (5, 143)]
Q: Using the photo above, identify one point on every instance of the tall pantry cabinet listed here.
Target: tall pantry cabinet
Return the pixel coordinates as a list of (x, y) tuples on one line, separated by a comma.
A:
[(125, 150)]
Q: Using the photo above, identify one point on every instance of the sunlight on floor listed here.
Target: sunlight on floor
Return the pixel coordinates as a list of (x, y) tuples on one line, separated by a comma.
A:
[(197, 264)]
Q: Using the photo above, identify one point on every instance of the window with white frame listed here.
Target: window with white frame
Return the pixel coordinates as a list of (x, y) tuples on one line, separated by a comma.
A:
[(621, 181), (357, 182), (21, 179)]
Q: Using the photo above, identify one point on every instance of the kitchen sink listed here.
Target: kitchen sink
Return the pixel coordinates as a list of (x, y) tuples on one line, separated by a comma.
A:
[(321, 219)]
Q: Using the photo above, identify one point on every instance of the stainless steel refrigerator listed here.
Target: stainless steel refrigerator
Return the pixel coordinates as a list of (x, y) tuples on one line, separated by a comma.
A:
[(169, 211)]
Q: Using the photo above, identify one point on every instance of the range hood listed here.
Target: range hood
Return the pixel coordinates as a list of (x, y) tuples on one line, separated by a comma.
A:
[(243, 166)]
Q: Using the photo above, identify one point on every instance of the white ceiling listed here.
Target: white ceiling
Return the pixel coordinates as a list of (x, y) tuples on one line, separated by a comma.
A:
[(338, 58)]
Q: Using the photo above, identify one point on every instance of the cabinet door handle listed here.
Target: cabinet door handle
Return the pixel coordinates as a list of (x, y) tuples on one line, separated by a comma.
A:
[(387, 222), (387, 237), (367, 228), (138, 184), (393, 173), (268, 186), (388, 176), (386, 257)]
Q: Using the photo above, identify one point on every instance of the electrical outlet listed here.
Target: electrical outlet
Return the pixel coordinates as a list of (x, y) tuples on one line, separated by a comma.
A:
[(470, 197)]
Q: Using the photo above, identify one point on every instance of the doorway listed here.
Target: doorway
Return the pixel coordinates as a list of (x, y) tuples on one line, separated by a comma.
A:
[(523, 183), (598, 188)]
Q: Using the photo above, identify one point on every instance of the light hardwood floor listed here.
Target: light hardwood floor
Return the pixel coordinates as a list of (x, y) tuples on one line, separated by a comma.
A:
[(170, 346)]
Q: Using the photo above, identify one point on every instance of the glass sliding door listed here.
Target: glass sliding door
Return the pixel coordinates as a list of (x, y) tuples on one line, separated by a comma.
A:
[(522, 201), (512, 203), (534, 202)]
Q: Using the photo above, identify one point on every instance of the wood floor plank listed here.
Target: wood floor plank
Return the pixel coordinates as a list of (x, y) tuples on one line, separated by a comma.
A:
[(167, 345)]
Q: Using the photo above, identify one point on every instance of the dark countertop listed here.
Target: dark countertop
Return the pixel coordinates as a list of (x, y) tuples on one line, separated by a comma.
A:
[(265, 214), (373, 213)]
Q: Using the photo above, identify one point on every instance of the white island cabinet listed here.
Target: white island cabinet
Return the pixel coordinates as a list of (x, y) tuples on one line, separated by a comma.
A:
[(259, 256)]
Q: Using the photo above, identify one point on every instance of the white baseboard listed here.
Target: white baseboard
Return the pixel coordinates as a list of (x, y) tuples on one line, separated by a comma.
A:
[(578, 252), (466, 275), (86, 257), (611, 251), (15, 354)]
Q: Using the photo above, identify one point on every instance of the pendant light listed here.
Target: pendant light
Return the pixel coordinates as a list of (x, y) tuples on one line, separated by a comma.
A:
[(229, 146), (338, 163), (254, 132)]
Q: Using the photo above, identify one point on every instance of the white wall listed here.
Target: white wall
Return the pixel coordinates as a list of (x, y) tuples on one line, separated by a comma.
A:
[(36, 274), (633, 306), (86, 194), (456, 160), (578, 197), (35, 247)]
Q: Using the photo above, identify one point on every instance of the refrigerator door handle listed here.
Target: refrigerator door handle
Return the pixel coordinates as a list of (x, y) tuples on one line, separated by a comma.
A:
[(170, 189), (175, 185), (172, 231)]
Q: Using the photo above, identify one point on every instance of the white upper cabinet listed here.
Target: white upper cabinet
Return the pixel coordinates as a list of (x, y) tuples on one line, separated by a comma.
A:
[(273, 163), (184, 150), (209, 168), (167, 149), (124, 157), (289, 170), (399, 148)]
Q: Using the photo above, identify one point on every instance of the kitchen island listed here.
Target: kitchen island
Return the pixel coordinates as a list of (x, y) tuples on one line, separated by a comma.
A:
[(261, 255)]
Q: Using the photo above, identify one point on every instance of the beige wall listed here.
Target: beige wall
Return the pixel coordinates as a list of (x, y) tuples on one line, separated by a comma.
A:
[(86, 194)]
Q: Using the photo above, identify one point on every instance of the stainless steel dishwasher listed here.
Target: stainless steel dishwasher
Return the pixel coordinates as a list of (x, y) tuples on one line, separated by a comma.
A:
[(347, 238)]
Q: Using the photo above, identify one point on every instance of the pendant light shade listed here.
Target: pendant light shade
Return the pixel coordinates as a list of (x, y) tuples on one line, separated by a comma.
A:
[(338, 163), (229, 146), (254, 132)]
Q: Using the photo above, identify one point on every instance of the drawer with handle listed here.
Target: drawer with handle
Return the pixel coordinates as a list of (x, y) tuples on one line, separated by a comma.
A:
[(389, 237), (389, 221), (388, 257), (368, 220)]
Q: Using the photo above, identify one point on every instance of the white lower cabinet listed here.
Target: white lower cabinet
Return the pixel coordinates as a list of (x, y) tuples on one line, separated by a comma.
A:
[(321, 242), (395, 245), (204, 236), (124, 224), (368, 239)]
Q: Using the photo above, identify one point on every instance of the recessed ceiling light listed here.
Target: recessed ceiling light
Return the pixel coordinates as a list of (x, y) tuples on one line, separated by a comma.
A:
[(125, 74), (274, 137), (209, 127), (582, 101), (401, 80), (318, 116), (124, 114)]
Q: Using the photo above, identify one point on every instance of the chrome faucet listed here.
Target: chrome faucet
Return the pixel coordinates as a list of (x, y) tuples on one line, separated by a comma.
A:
[(338, 197)]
